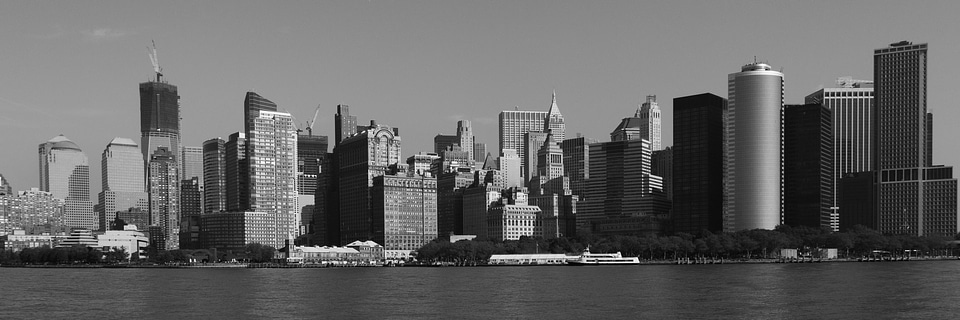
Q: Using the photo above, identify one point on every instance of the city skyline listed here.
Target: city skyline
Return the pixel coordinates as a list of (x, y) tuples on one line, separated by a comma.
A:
[(594, 87)]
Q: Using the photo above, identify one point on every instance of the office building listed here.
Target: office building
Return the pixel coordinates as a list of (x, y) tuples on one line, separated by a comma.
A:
[(553, 121), (311, 150), (345, 124), (576, 161), (232, 231), (422, 163), (360, 158), (915, 197), (512, 127), (754, 147), (698, 163), (164, 198), (237, 172), (253, 103), (479, 152), (191, 163), (532, 142), (477, 202), (403, 212), (159, 117), (808, 166), (191, 208), (661, 164), (650, 123), (65, 173), (621, 184), (214, 175), (450, 187), (853, 131), (465, 138), (122, 174), (510, 169), (444, 141)]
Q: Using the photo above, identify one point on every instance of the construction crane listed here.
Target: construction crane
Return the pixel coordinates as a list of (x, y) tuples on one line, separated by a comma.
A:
[(850, 82), (154, 61), (310, 124)]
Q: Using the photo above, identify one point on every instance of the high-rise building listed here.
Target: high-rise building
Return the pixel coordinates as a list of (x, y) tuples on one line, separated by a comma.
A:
[(510, 169), (477, 202), (191, 207), (450, 187), (423, 164), (360, 158), (479, 152), (553, 121), (403, 211), (311, 150), (514, 124), (808, 166), (5, 187), (621, 184), (914, 196), (253, 103), (465, 137), (237, 173), (754, 148), (32, 210), (164, 197), (442, 142), (853, 131), (345, 124), (650, 122), (214, 175), (661, 164), (122, 180), (272, 155), (576, 162), (532, 142), (65, 173), (698, 163), (191, 163), (159, 117)]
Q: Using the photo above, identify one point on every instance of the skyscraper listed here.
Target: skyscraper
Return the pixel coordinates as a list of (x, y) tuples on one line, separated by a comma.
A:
[(311, 151), (345, 124), (214, 175), (122, 182), (237, 173), (532, 142), (914, 196), (698, 163), (64, 172), (272, 151), (465, 137), (513, 125), (5, 187), (403, 213), (253, 103), (553, 122), (576, 162), (191, 163), (649, 114), (853, 131), (362, 157), (159, 117), (808, 166), (32, 210), (164, 198), (754, 148)]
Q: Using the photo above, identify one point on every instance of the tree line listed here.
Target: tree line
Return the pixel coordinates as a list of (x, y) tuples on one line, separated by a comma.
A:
[(748, 244), (45, 255)]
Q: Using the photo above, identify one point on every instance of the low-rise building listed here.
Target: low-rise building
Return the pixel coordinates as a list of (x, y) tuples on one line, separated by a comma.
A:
[(369, 251), (20, 240), (132, 241), (331, 256), (79, 238)]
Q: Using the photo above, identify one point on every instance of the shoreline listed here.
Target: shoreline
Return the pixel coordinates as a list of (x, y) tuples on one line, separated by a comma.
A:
[(326, 266)]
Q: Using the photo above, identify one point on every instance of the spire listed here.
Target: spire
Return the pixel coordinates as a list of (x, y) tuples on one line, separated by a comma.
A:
[(639, 109), (554, 110)]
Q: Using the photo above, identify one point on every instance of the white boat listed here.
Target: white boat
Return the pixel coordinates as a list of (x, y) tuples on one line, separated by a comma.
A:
[(596, 259)]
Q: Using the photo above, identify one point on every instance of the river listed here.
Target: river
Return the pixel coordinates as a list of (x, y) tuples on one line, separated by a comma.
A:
[(919, 290)]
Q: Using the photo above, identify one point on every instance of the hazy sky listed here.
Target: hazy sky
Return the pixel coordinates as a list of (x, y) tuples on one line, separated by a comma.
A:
[(73, 67)]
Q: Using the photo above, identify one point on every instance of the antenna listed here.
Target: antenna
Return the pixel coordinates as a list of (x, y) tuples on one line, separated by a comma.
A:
[(154, 61)]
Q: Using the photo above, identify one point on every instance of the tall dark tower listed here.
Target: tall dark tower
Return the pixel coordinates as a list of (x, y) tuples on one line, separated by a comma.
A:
[(698, 157), (159, 113), (914, 197), (807, 165)]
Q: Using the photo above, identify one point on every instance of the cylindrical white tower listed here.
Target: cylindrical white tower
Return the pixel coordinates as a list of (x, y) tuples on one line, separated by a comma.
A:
[(754, 148)]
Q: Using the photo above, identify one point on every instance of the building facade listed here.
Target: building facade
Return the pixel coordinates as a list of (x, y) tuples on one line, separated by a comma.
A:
[(914, 196), (164, 198), (360, 158), (214, 175), (808, 167), (65, 172), (754, 148), (272, 154), (122, 175), (650, 123), (698, 163), (403, 213), (159, 117)]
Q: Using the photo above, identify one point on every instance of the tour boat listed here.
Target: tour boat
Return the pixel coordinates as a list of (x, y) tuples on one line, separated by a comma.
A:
[(595, 259)]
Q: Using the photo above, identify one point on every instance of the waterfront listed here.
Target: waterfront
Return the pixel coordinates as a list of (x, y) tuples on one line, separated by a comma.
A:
[(922, 289)]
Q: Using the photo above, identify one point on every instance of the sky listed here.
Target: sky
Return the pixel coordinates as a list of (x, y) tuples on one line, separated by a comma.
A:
[(73, 67)]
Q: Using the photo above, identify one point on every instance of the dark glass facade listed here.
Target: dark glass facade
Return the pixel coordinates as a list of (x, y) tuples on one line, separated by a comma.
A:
[(698, 163), (808, 165), (253, 103), (237, 173), (159, 107)]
